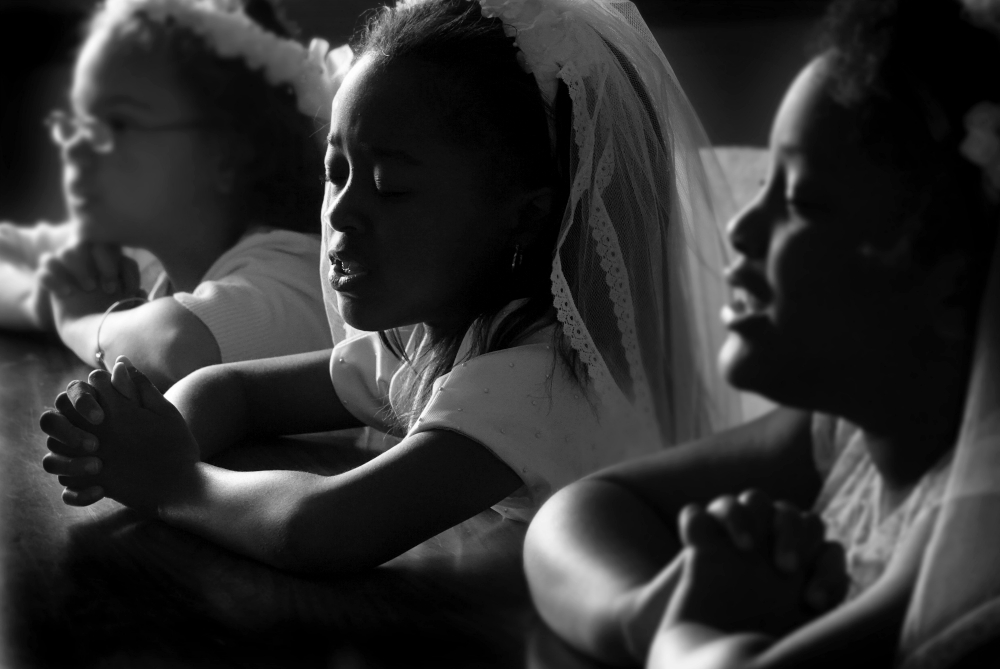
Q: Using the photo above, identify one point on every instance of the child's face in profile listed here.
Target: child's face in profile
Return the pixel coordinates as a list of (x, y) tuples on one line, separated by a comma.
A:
[(814, 314), (157, 174), (418, 233)]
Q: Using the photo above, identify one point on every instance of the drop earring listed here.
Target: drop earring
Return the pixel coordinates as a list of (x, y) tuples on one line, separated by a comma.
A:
[(517, 259)]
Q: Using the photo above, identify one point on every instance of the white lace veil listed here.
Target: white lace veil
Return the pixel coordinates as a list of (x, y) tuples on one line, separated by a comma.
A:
[(637, 274), (956, 604)]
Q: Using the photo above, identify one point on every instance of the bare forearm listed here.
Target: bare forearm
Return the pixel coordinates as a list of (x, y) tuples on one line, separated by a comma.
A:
[(692, 646), (23, 302), (161, 337), (226, 404), (213, 405), (80, 336), (595, 547), (249, 513), (590, 556)]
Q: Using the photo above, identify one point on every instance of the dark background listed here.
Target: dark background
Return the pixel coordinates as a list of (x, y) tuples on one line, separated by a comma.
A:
[(733, 57)]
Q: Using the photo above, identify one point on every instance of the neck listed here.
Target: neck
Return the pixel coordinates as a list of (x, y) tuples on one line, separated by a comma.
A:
[(911, 419)]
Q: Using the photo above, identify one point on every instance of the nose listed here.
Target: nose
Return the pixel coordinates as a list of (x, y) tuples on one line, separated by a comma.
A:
[(749, 232), (342, 209)]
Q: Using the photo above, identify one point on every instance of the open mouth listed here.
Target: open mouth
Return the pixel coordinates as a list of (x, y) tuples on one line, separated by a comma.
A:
[(345, 272), (743, 306)]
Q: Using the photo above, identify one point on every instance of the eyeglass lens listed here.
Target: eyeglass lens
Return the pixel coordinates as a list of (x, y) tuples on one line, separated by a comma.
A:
[(66, 128)]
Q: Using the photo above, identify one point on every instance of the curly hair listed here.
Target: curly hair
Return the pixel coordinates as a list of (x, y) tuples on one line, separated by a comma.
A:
[(279, 168), (913, 69)]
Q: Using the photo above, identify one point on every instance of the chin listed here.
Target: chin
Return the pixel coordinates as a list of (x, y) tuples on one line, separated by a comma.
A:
[(748, 367), (771, 372), (360, 317)]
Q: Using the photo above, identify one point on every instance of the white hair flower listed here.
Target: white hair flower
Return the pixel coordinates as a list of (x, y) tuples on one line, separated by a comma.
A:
[(313, 72), (546, 33), (981, 145)]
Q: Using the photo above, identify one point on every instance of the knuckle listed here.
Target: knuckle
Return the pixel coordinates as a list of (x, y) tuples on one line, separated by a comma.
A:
[(47, 463), (722, 505), (48, 420), (99, 376)]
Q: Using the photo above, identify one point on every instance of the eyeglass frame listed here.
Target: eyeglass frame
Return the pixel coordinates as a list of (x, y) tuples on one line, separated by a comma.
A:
[(92, 129)]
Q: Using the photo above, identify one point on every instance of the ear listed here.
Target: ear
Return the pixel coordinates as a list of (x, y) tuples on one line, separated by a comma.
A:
[(533, 212), (943, 296)]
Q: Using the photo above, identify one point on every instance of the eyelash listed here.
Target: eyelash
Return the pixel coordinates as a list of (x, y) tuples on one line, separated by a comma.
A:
[(327, 178)]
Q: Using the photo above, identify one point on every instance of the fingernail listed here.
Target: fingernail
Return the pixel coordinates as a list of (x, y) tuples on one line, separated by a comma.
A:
[(95, 416), (93, 466), (90, 444)]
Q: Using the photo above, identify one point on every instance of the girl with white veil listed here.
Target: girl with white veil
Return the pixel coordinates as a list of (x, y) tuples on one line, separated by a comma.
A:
[(518, 212), (800, 540)]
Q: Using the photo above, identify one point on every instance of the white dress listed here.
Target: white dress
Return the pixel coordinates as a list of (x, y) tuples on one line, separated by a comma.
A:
[(852, 502), (521, 403), (262, 297)]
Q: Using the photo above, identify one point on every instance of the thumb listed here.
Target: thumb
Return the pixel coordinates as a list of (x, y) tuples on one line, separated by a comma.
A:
[(121, 379), (699, 529), (150, 397)]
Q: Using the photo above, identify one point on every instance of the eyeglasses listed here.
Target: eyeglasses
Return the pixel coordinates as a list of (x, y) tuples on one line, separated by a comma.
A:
[(66, 128)]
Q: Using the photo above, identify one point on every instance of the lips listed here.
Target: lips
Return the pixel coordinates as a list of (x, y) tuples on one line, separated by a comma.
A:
[(751, 295), (345, 272)]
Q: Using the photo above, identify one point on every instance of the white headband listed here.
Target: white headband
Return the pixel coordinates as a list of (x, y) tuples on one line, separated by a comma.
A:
[(546, 33), (314, 72)]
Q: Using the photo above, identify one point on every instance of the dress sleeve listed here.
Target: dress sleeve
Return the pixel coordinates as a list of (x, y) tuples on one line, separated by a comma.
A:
[(262, 299), (362, 370), (523, 405)]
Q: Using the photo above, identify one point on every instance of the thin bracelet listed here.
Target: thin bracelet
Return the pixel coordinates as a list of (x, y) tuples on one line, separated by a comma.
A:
[(99, 354)]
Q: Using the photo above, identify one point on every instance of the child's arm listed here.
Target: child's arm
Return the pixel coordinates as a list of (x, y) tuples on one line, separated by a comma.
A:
[(85, 279), (24, 303), (292, 520), (596, 553), (864, 632), (162, 335)]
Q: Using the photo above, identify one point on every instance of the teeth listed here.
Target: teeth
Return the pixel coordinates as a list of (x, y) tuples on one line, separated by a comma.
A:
[(744, 302), (349, 266)]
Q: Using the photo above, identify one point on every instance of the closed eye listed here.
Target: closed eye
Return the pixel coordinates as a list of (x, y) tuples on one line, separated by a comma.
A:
[(337, 170), (119, 125), (384, 188)]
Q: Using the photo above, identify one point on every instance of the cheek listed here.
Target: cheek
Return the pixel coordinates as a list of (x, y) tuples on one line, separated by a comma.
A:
[(812, 276)]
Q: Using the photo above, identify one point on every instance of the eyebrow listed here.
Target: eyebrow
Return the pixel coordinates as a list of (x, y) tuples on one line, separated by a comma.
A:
[(379, 152), (125, 101)]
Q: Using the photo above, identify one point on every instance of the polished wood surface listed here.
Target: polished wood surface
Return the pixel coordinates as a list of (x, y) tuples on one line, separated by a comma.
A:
[(103, 587)]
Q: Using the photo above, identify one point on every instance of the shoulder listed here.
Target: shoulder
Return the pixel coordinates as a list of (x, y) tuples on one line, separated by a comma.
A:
[(269, 252)]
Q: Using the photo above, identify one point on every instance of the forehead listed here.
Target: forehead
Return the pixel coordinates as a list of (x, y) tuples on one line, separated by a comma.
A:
[(400, 103), (113, 68), (823, 141)]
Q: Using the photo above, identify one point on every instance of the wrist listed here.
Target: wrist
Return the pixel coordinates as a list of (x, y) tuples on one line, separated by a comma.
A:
[(684, 644), (642, 609), (183, 493)]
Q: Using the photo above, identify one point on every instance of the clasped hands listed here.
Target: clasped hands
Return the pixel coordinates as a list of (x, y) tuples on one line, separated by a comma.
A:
[(85, 278), (748, 564), (115, 435)]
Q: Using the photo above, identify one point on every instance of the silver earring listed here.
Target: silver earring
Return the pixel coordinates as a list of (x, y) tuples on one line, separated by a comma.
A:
[(517, 259)]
